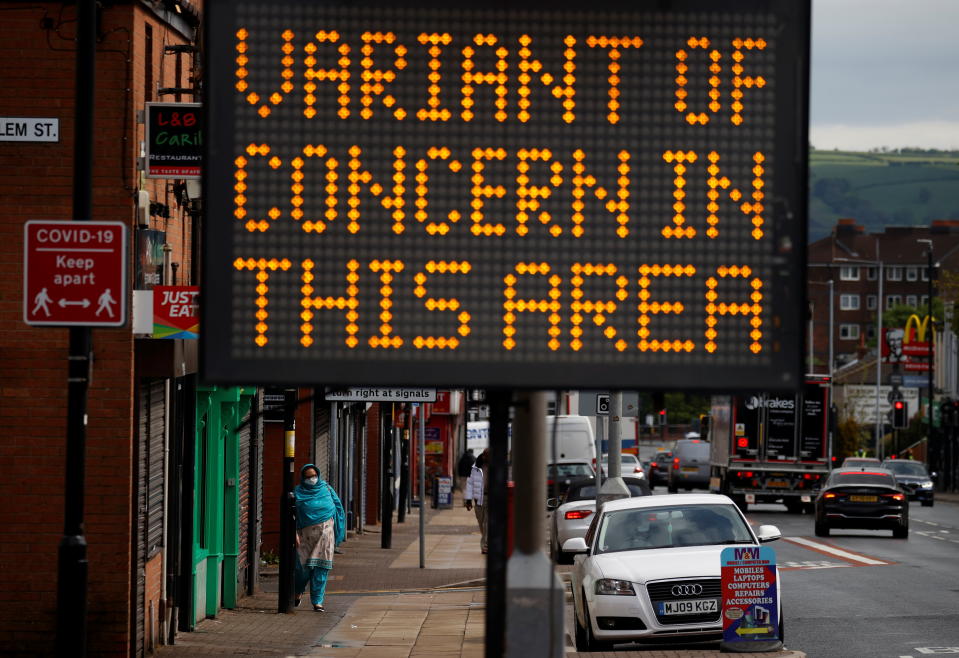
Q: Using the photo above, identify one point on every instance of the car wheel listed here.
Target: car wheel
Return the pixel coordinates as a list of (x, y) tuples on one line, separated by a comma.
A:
[(793, 506), (902, 532), (928, 503), (671, 488), (822, 529), (592, 644), (740, 502), (582, 640)]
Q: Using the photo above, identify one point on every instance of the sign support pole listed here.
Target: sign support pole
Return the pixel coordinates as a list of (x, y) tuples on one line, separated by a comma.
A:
[(287, 506), (421, 467), (71, 629), (386, 436), (497, 518)]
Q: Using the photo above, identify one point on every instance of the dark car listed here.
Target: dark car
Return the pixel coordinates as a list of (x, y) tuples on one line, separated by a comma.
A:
[(862, 498), (658, 471), (913, 478), (690, 467), (562, 473)]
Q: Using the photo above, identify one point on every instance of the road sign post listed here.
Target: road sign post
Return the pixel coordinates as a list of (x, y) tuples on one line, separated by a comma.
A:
[(75, 273)]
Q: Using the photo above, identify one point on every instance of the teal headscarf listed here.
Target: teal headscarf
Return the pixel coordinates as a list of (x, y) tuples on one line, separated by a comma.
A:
[(318, 503)]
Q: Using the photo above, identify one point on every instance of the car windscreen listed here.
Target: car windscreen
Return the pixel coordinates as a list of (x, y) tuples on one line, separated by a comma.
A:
[(862, 478), (689, 450), (588, 491), (671, 526), (569, 470), (914, 469), (583, 492)]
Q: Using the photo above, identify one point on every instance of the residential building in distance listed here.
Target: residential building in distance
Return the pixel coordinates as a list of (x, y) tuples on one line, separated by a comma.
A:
[(850, 258)]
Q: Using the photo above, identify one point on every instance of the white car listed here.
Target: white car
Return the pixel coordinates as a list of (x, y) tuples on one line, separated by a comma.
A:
[(630, 466), (574, 511), (645, 561)]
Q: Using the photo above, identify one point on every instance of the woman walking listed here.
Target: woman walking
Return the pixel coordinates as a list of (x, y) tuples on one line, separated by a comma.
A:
[(320, 526)]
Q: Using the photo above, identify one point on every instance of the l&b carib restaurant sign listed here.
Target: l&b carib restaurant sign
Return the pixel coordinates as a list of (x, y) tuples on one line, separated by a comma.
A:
[(174, 140), (531, 194)]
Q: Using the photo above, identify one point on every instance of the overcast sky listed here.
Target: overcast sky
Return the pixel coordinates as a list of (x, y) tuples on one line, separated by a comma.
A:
[(885, 73)]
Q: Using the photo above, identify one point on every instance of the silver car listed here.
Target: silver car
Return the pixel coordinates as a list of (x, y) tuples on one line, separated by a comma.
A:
[(573, 512), (690, 467)]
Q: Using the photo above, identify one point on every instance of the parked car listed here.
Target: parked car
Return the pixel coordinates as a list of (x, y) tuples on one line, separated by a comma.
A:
[(658, 470), (913, 477), (690, 467), (562, 473), (859, 498), (573, 512), (630, 465), (651, 569)]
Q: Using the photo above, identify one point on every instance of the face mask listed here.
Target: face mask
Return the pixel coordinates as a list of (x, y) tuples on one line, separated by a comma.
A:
[(312, 481)]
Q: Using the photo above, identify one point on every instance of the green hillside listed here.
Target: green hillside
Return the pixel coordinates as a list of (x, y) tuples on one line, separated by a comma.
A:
[(881, 189)]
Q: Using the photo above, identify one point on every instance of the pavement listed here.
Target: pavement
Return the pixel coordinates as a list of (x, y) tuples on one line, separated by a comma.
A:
[(381, 604)]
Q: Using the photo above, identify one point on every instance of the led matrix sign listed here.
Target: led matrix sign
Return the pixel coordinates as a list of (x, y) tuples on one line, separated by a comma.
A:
[(554, 196)]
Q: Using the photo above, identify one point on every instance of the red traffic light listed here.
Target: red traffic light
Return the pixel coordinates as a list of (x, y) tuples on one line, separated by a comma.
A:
[(900, 404)]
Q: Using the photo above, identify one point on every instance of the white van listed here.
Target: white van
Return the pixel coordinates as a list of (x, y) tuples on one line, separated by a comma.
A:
[(574, 438)]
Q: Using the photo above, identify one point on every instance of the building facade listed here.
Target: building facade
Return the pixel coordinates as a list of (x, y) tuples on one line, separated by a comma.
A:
[(850, 259)]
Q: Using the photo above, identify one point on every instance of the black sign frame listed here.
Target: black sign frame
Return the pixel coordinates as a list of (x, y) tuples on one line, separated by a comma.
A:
[(780, 370), (182, 161)]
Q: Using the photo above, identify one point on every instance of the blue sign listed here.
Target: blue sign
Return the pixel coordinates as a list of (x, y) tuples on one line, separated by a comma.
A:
[(915, 381), (750, 605)]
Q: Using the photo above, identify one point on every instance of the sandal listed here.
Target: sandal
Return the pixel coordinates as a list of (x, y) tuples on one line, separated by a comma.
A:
[(319, 608)]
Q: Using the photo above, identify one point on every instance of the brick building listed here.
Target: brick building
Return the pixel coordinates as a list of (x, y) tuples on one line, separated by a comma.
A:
[(850, 258), (182, 483)]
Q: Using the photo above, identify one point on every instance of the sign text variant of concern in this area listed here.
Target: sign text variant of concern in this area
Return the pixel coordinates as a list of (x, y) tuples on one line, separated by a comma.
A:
[(525, 197)]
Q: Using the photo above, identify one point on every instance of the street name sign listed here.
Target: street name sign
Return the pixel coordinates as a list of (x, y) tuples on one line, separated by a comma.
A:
[(595, 195), (29, 129), (75, 273)]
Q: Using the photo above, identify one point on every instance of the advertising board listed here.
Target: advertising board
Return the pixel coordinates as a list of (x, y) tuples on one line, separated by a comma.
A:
[(531, 195), (750, 595)]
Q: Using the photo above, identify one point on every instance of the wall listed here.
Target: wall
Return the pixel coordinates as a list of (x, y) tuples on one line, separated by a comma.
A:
[(37, 47)]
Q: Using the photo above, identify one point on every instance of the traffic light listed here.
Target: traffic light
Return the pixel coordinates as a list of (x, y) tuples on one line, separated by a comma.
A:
[(662, 417), (900, 414)]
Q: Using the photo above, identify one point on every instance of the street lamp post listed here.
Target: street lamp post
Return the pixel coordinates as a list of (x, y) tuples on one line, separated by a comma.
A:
[(932, 334)]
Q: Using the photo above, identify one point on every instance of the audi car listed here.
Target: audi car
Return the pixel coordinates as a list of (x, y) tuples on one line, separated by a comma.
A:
[(861, 498), (573, 512), (649, 570), (913, 477)]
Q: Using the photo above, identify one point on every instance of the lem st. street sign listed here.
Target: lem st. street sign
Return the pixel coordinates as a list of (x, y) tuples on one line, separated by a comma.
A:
[(74, 273)]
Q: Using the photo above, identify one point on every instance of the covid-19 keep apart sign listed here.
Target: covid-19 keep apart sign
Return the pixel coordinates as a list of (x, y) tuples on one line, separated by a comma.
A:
[(549, 195)]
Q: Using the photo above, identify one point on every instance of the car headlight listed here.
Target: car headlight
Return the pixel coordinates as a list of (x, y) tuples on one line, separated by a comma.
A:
[(926, 485), (614, 587)]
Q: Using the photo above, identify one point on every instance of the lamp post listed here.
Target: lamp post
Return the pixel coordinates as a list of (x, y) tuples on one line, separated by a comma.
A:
[(932, 335)]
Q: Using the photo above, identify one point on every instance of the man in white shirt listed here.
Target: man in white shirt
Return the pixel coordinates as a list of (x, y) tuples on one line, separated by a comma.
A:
[(474, 496)]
